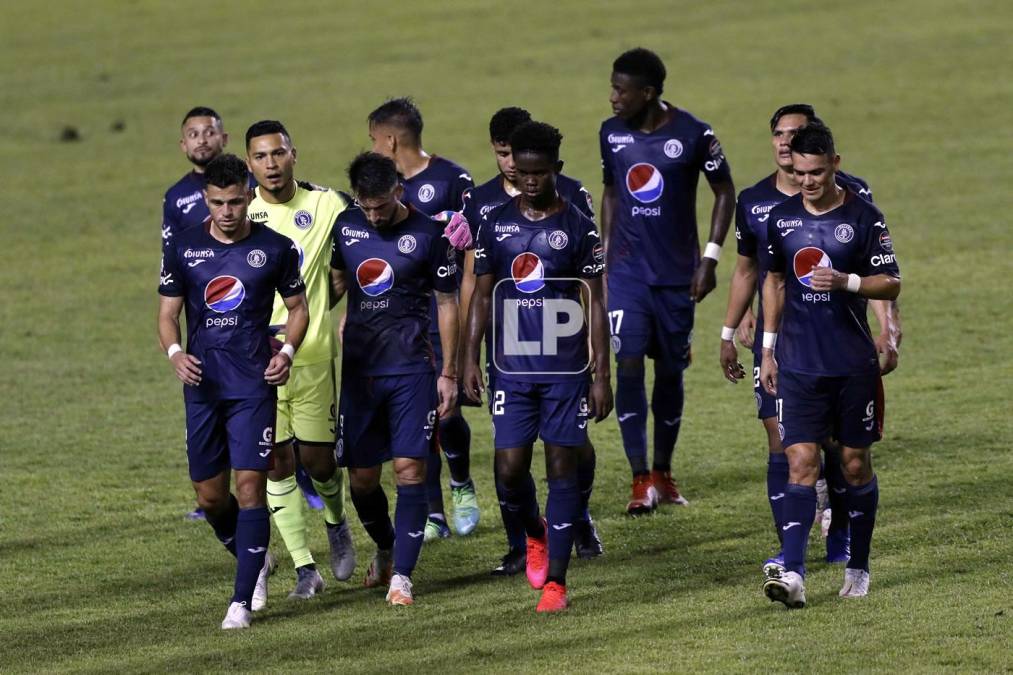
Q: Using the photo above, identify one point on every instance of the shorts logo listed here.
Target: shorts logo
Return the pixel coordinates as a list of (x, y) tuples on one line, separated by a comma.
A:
[(645, 182), (885, 242), (844, 233), (558, 240), (224, 294), (375, 276), (780, 430), (528, 273), (256, 258), (406, 244), (806, 261), (303, 220), (673, 148), (759, 400), (616, 343), (426, 193)]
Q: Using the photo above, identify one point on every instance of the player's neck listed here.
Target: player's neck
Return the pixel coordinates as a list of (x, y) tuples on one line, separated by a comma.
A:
[(654, 116), (785, 182), (540, 207), (412, 162), (240, 233), (508, 187), (282, 196), (199, 170), (831, 198)]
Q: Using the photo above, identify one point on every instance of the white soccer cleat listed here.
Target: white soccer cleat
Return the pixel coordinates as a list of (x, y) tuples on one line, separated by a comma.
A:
[(856, 584), (786, 588), (237, 617), (400, 592), (259, 601), (824, 519)]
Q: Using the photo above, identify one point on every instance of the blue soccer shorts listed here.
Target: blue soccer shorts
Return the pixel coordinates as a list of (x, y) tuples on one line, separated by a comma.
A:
[(814, 408), (234, 433), (766, 405), (525, 411), (654, 321)]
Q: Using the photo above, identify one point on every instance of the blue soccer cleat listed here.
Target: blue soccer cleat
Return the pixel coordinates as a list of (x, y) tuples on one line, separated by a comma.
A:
[(838, 546), (196, 514), (774, 567)]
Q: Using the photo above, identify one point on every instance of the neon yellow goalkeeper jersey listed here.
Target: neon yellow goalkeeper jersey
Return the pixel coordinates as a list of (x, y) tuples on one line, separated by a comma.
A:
[(308, 220)]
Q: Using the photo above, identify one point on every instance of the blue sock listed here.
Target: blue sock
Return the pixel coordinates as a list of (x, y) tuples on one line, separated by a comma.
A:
[(434, 467), (455, 439), (409, 526), (666, 403), (799, 511), (585, 483), (631, 411), (253, 534), (522, 500), (561, 513), (863, 500), (837, 488), (224, 525), (372, 510), (516, 536), (777, 481)]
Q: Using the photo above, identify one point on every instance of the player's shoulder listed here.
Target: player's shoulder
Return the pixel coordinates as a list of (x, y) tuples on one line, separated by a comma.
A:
[(187, 183), (577, 219), (856, 183), (192, 237), (567, 185), (861, 209), (764, 189), (449, 168), (789, 207), (487, 190), (261, 234), (421, 223), (684, 119)]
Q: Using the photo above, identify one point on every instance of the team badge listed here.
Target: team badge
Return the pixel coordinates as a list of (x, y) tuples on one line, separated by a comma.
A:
[(645, 182), (303, 220), (256, 258), (528, 273), (844, 233), (558, 240), (615, 343), (807, 260), (406, 244), (224, 294), (885, 242), (375, 276), (673, 148), (426, 193), (598, 253)]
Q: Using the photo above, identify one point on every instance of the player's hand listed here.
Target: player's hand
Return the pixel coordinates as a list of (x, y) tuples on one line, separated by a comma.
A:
[(704, 280), (457, 231), (277, 370), (747, 329), (730, 366), (472, 385), (599, 398), (446, 388), (341, 330), (187, 368), (768, 372), (828, 279), (886, 345)]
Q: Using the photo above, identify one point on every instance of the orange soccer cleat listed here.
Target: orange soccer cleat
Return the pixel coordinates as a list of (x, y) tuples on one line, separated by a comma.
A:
[(667, 488), (538, 558), (645, 496), (553, 598)]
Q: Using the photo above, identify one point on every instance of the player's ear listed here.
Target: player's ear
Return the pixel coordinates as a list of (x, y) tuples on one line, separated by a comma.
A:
[(837, 163), (559, 166), (650, 93), (294, 153), (225, 138)]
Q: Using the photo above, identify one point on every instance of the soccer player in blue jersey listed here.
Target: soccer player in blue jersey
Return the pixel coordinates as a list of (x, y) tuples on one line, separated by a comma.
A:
[(828, 252), (226, 275), (391, 259), (751, 214), (537, 259), (432, 185), (652, 155), (478, 202)]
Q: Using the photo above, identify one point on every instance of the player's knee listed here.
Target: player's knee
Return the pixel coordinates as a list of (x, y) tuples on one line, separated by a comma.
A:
[(251, 490), (560, 461), (510, 469), (410, 471), (586, 453), (668, 371), (212, 503), (856, 463), (630, 366), (363, 481), (803, 464), (284, 462), (318, 458)]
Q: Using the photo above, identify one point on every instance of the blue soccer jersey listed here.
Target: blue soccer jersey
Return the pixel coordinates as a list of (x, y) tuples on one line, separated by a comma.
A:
[(533, 263), (826, 333), (229, 294), (482, 199), (438, 187), (391, 275), (653, 238), (184, 207)]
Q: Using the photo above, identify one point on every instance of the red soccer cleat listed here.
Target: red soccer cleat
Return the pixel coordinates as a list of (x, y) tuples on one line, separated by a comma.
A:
[(538, 558), (645, 496), (667, 488), (553, 598)]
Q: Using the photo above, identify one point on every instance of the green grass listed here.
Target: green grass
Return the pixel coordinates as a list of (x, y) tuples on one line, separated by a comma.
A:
[(99, 572)]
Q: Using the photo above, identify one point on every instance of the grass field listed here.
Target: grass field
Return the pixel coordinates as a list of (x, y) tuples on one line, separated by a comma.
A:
[(98, 570)]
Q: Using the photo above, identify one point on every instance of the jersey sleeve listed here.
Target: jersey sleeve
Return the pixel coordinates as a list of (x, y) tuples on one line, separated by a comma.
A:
[(443, 264), (590, 252), (877, 250), (584, 203), (483, 247), (290, 281), (170, 282), (606, 168), (169, 224), (471, 212), (337, 260), (774, 260), (710, 157), (745, 240), (458, 188)]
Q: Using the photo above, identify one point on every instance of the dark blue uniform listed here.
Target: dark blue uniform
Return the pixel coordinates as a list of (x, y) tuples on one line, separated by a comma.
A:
[(229, 291), (541, 380), (388, 384), (828, 379), (184, 207)]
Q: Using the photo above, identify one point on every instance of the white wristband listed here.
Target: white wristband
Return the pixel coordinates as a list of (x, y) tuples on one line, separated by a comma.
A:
[(173, 349), (712, 251), (854, 283), (727, 333), (769, 340), (288, 350)]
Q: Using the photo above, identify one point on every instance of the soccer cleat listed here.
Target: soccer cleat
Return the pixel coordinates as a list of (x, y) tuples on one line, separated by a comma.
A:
[(400, 592), (786, 588), (308, 583), (553, 598), (466, 513), (516, 560), (196, 514), (259, 600), (314, 501), (436, 529), (342, 550), (238, 616), (856, 584), (645, 496), (586, 541), (667, 488), (774, 567), (538, 559), (839, 546), (380, 569)]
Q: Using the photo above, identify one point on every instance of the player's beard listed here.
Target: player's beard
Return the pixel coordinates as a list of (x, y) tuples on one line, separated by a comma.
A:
[(201, 162)]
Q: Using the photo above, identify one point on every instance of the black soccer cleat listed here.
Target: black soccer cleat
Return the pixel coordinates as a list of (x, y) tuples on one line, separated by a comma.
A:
[(516, 560)]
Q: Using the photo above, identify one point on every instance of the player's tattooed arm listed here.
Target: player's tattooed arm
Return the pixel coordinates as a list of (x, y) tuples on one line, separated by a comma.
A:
[(478, 318), (600, 395), (740, 296), (339, 285), (467, 290), (705, 279), (187, 366), (888, 338), (447, 315), (773, 306), (295, 330)]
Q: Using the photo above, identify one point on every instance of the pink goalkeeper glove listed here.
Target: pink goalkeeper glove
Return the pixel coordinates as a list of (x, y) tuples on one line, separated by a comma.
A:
[(457, 231)]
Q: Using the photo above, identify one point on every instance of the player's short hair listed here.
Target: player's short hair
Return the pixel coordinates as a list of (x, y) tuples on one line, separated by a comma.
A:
[(505, 122), (814, 139), (401, 113), (644, 65), (227, 170), (201, 111), (372, 175), (266, 128), (794, 109), (536, 137)]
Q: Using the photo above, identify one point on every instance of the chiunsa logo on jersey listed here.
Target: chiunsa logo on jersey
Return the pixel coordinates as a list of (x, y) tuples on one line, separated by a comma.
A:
[(528, 273), (375, 276)]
